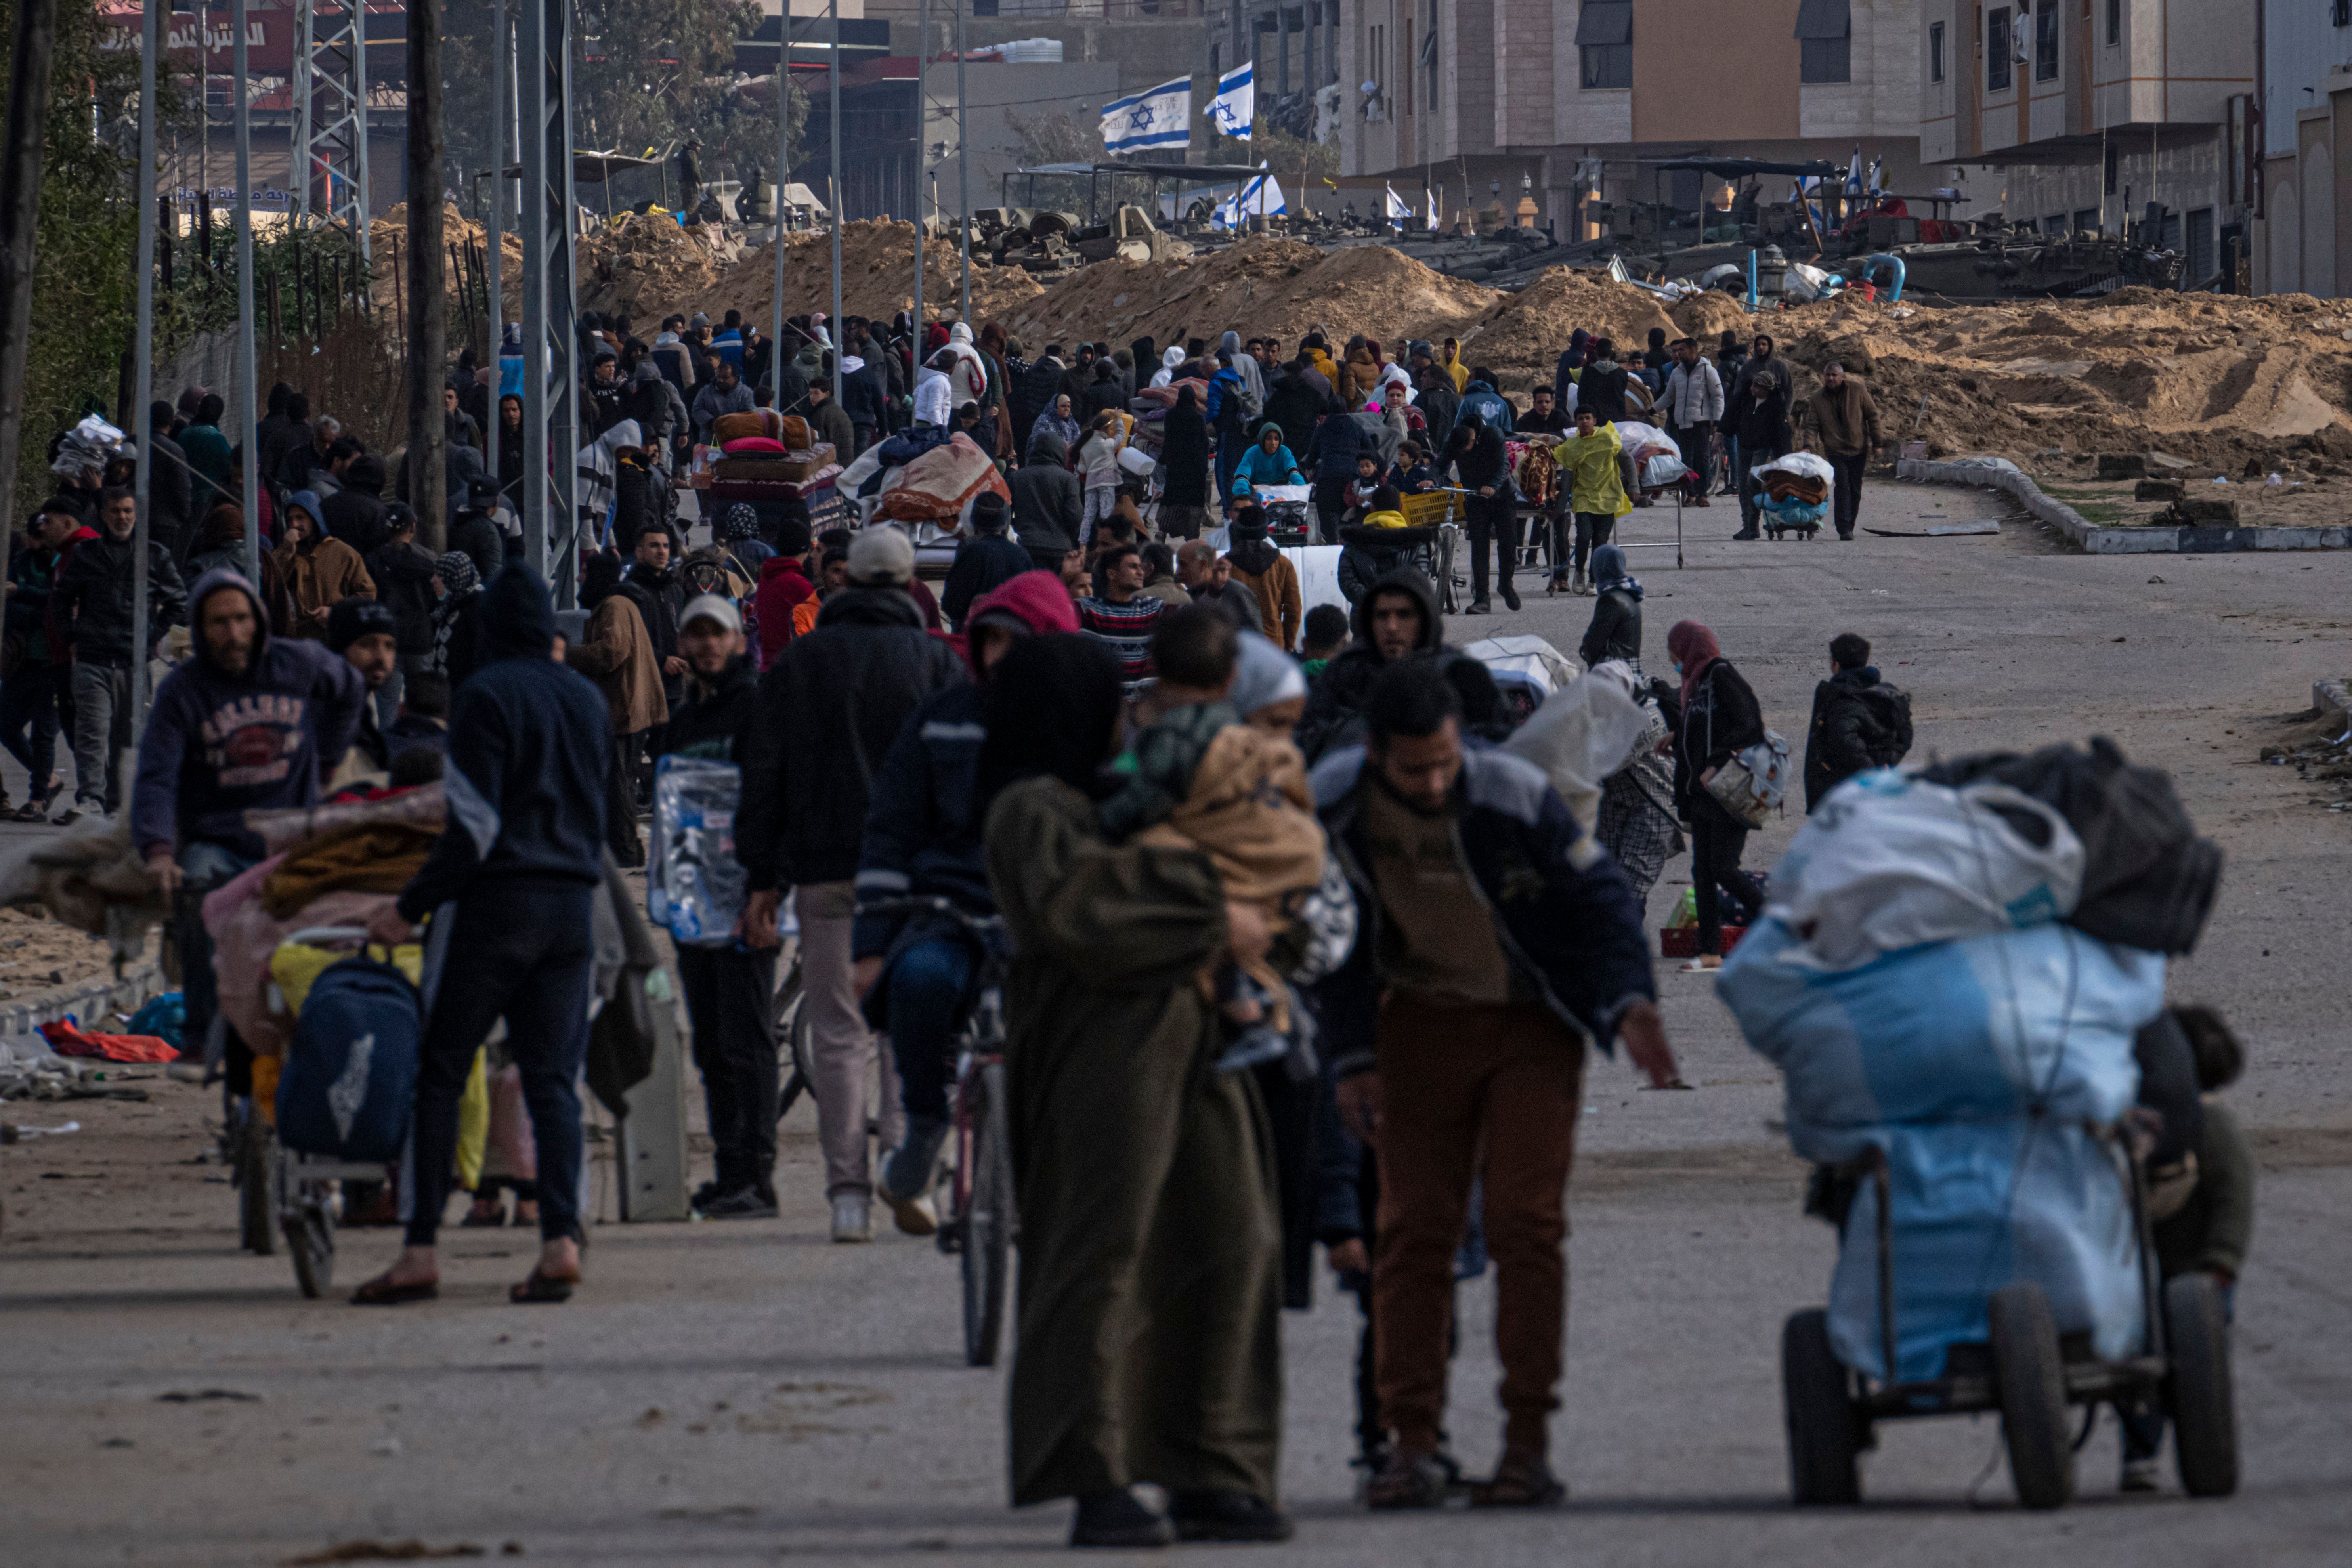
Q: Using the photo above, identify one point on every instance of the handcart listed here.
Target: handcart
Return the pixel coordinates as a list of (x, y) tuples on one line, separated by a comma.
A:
[(306, 1190), (2026, 1370)]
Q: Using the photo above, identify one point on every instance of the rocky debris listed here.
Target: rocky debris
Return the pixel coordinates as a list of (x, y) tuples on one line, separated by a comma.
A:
[(2151, 490), (2320, 751), (642, 262), (877, 266)]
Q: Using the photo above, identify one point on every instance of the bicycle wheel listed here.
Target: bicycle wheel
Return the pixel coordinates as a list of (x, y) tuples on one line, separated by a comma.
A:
[(310, 1237), (987, 1222), (793, 1047)]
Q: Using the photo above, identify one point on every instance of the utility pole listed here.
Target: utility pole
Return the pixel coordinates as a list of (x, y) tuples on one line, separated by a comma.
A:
[(247, 372), (783, 178), (428, 312), (20, 217), (551, 471), (963, 168), (922, 119), (497, 231), (142, 373), (833, 74)]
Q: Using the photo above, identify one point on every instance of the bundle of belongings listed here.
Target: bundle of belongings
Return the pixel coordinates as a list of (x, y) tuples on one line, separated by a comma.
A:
[(1657, 456), (1526, 670), (1796, 489), (1953, 973), (923, 475), (86, 877), (770, 459)]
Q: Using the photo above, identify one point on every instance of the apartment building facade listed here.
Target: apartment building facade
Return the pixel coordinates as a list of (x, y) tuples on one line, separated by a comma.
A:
[(1469, 99), (2091, 110), (2301, 226)]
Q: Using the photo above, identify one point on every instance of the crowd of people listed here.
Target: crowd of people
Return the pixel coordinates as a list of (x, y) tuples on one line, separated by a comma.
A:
[(1208, 815)]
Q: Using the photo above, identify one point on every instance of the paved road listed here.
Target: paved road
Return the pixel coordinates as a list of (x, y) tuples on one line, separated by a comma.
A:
[(749, 1393)]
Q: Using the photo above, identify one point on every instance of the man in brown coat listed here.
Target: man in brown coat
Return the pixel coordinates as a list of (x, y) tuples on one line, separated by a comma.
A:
[(1843, 423), (617, 654), (317, 570)]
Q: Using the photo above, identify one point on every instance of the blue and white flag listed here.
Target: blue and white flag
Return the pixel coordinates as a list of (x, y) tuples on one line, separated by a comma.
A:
[(1156, 117), (1236, 104), (1261, 197), (1399, 209), (1853, 173)]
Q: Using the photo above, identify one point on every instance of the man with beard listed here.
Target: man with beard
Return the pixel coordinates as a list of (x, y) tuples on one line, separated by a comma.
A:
[(652, 584), (249, 722)]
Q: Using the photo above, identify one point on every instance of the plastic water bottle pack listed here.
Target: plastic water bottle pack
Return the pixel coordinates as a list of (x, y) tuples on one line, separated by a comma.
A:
[(694, 884)]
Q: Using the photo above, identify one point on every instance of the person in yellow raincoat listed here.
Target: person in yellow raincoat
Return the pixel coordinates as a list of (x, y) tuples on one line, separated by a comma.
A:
[(1452, 360), (1599, 474)]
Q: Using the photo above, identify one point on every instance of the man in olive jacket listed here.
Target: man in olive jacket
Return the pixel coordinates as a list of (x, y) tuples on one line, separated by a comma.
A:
[(1842, 422)]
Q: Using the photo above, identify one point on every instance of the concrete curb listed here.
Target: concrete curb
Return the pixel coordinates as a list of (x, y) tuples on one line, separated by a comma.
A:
[(2094, 540), (2333, 697), (89, 1002)]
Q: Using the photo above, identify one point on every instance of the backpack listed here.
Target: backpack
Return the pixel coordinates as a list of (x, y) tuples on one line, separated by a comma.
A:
[(1890, 707), (350, 1077)]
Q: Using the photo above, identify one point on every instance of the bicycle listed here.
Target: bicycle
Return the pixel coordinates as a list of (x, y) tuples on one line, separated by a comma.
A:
[(982, 1222)]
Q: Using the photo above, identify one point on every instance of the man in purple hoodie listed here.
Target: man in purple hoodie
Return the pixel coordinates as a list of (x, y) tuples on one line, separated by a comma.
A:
[(249, 722)]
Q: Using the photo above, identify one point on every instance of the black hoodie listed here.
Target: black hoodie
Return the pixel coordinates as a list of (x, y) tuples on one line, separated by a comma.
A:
[(1337, 700), (529, 746)]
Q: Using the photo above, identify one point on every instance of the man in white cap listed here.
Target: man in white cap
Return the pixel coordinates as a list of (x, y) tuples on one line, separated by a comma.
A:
[(728, 987), (827, 713)]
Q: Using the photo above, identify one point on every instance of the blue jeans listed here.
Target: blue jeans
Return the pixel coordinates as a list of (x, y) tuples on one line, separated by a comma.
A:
[(29, 718), (927, 986), (202, 868)]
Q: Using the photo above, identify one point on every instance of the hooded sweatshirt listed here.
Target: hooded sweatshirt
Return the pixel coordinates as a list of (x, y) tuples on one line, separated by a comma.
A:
[(1171, 360), (1335, 712), (528, 747), (218, 745)]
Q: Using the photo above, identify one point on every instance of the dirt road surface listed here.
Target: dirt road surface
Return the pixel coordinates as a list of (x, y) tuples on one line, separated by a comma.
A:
[(751, 1394)]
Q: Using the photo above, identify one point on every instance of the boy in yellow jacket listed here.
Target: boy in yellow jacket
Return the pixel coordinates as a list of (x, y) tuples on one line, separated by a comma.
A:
[(1599, 474)]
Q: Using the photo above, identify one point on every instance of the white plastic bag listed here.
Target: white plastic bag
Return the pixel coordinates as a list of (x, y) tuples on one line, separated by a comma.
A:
[(1888, 861), (1582, 733), (1810, 463), (694, 885)]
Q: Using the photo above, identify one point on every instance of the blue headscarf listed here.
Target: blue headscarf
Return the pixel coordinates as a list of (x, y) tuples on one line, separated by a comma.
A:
[(1609, 572)]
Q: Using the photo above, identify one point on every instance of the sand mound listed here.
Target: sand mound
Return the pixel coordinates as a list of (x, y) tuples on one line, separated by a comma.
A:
[(877, 277), (642, 266), (1525, 334), (1709, 315), (1278, 286)]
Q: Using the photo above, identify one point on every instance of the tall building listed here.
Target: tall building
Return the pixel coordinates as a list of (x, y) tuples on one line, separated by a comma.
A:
[(2303, 149), (1567, 101), (2096, 108)]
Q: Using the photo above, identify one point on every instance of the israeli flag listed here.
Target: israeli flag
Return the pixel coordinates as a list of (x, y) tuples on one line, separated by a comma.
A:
[(1156, 117), (1429, 207), (1853, 175), (1399, 207), (1261, 197), (1236, 102)]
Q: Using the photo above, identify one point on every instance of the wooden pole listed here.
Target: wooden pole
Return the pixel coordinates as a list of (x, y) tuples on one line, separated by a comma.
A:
[(20, 214), (427, 284)]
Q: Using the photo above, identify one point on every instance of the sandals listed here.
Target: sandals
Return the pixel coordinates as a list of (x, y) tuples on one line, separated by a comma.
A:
[(380, 1292), (541, 1288), (1521, 1480), (31, 810)]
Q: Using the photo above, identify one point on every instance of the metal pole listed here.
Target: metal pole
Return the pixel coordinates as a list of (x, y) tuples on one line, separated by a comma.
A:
[(427, 284), (297, 161), (551, 392), (20, 214), (963, 170), (922, 115), (833, 194), (144, 355), (497, 231), (246, 374), (783, 178)]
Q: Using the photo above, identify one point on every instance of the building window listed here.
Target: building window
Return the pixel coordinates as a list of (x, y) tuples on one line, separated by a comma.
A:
[(2116, 21), (1997, 50), (2087, 219), (1824, 41), (1604, 43), (1935, 51), (2339, 13), (2045, 42)]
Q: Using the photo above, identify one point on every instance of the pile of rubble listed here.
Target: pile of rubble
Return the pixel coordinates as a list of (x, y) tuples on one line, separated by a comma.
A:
[(640, 265), (877, 267), (1045, 241)]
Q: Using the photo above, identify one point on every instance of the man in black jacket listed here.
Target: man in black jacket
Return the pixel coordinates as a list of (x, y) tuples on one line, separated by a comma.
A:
[(652, 584), (94, 602), (828, 710), (1048, 504), (1294, 403), (1035, 392), (1396, 619), (355, 513), (1477, 454), (513, 878), (404, 585), (730, 989), (475, 530), (984, 559), (1860, 723)]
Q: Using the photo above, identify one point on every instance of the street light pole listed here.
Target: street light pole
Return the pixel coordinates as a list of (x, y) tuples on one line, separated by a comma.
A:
[(247, 372), (427, 297), (840, 342), (143, 356), (963, 167), (922, 117), (20, 217), (498, 231)]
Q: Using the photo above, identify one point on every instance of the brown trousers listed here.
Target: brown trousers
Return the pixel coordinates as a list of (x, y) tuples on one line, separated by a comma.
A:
[(1466, 1088)]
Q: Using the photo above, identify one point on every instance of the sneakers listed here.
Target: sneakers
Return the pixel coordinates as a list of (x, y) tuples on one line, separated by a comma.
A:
[(2140, 1475), (1479, 606), (68, 817), (852, 1217), (1510, 595), (1747, 533), (1407, 1480), (1120, 1519), (743, 1203), (909, 1169), (1227, 1516)]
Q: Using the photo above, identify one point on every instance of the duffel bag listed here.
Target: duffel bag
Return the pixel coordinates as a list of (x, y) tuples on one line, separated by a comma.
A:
[(349, 1078)]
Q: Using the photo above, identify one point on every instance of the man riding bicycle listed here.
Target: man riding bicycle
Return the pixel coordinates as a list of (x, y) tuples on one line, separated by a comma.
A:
[(917, 971)]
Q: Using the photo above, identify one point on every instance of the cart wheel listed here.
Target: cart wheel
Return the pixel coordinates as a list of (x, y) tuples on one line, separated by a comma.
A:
[(2204, 1406), (1826, 1431), (2032, 1382), (310, 1237), (257, 1217), (793, 1029), (988, 1224)]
